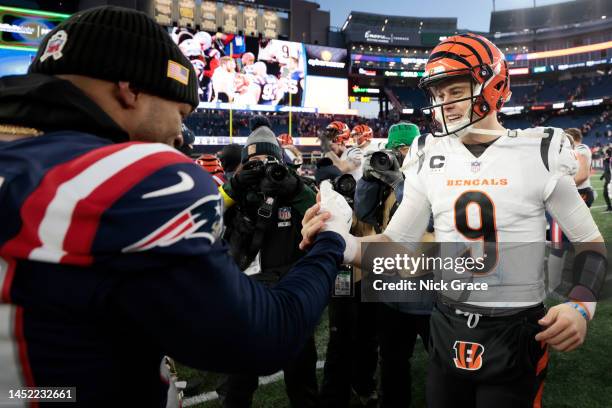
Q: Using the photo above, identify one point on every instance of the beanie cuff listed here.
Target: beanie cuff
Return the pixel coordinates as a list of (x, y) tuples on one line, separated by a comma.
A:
[(260, 148)]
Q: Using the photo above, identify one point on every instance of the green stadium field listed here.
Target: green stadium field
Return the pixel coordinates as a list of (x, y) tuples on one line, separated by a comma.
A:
[(579, 379)]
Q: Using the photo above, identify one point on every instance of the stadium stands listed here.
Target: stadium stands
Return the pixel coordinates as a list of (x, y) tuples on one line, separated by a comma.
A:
[(550, 15)]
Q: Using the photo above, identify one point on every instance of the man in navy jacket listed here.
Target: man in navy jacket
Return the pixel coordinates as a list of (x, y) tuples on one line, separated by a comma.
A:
[(110, 249)]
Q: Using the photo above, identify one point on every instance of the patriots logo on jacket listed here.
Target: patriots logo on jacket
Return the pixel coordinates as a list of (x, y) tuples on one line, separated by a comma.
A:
[(203, 219)]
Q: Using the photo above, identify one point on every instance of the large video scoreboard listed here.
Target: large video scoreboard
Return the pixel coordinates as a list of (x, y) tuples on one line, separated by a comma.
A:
[(21, 31)]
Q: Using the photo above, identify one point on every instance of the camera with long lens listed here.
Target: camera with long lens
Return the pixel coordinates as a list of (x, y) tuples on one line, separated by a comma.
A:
[(276, 171), (383, 160), (271, 169), (345, 185)]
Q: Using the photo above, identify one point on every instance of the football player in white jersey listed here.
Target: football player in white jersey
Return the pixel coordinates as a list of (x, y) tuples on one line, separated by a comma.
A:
[(335, 144), (223, 80), (583, 175), (485, 183), (362, 138)]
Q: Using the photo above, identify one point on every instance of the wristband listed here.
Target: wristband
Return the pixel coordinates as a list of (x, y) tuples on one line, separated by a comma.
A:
[(580, 309)]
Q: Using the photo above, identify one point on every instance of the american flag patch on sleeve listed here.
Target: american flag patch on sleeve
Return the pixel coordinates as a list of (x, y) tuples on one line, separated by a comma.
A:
[(178, 72)]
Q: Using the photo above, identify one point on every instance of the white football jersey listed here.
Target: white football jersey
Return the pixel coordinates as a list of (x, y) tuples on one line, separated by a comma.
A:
[(279, 51), (354, 155), (496, 198), (584, 150)]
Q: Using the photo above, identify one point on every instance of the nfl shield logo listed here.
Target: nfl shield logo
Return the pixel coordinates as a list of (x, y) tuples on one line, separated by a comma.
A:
[(475, 167), (284, 213)]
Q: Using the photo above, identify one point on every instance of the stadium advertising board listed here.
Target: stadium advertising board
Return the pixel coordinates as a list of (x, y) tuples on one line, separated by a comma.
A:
[(248, 73), (24, 29), (377, 36), (397, 72), (279, 4), (563, 67), (326, 61), (387, 63), (21, 31), (518, 71), (357, 90)]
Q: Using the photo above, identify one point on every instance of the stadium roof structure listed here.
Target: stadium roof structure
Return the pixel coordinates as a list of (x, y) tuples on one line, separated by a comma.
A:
[(552, 15)]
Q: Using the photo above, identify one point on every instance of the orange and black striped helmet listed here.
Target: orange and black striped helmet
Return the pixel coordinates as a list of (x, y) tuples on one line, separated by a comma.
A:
[(361, 134), (285, 139), (210, 163), (339, 131), (475, 57)]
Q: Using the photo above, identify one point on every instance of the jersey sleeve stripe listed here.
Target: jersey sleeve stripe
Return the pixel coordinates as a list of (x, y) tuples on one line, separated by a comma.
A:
[(50, 208), (34, 207), (545, 147), (420, 146)]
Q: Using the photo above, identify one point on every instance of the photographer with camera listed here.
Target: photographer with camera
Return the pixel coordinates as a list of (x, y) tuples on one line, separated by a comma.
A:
[(268, 201), (382, 183), (378, 196)]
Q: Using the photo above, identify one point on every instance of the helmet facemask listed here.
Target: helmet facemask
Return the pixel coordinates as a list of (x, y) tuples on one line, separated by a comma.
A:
[(439, 123)]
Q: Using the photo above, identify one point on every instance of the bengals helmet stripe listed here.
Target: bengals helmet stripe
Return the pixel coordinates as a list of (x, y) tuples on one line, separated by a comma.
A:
[(484, 44), (447, 54), (472, 50)]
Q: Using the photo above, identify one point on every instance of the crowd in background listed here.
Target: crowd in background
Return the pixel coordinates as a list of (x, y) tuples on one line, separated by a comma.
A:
[(595, 126)]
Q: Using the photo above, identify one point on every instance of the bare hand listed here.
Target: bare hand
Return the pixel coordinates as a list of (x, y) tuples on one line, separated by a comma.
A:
[(565, 328)]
